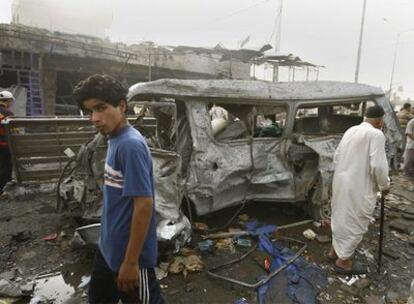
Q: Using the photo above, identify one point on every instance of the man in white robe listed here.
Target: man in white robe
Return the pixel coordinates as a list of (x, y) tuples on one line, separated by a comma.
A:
[(361, 170)]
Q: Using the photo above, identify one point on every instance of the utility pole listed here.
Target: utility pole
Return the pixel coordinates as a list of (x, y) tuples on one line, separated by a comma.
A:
[(278, 26), (149, 65), (360, 41), (397, 44), (278, 30)]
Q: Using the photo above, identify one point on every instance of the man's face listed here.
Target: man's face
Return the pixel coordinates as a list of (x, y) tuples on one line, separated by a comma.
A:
[(379, 123), (7, 103), (106, 118)]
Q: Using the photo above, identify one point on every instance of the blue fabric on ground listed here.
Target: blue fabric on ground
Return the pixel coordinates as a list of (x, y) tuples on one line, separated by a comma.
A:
[(256, 228), (298, 283)]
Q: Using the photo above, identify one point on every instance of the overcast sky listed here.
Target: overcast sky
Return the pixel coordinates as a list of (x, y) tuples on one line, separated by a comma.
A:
[(324, 32)]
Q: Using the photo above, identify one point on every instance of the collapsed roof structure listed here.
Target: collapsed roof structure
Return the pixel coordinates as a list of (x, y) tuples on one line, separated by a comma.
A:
[(48, 64)]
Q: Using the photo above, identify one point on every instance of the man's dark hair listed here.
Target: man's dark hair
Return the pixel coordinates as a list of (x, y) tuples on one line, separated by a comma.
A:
[(375, 112), (103, 87), (407, 105)]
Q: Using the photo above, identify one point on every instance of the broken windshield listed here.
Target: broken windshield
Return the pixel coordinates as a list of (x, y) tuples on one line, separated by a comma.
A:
[(234, 121), (329, 118)]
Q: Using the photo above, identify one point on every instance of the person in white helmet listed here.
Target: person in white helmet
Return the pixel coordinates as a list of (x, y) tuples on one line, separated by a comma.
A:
[(6, 99)]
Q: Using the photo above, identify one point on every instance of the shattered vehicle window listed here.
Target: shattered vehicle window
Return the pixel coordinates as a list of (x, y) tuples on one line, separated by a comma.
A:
[(329, 119), (156, 121), (231, 121), (269, 121)]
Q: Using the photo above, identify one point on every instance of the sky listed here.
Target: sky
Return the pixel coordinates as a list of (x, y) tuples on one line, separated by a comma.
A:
[(324, 32)]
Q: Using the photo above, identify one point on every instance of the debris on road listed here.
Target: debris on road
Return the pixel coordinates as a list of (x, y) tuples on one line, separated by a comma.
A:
[(50, 237), (309, 234), (323, 239)]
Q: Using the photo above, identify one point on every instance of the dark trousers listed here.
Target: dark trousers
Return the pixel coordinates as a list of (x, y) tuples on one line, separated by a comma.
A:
[(409, 162), (5, 167), (103, 288)]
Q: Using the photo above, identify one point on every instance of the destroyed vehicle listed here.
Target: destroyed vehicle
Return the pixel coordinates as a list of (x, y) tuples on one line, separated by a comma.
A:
[(261, 141), (218, 143)]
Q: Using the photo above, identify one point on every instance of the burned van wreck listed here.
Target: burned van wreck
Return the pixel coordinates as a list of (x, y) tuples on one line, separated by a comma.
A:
[(218, 143)]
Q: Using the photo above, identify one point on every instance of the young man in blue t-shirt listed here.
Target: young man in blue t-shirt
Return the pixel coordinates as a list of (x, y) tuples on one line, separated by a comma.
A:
[(124, 264)]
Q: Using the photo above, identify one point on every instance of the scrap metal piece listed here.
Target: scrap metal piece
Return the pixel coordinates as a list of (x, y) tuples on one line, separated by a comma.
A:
[(211, 271), (221, 235)]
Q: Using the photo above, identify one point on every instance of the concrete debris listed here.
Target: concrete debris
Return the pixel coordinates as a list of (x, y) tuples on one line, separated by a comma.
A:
[(193, 263), (409, 210), (362, 283), (309, 234), (177, 266), (10, 289), (399, 226), (186, 264), (317, 224), (393, 297), (160, 273), (390, 253), (407, 256), (411, 298), (226, 244), (9, 275), (374, 300), (402, 237), (323, 239), (408, 216), (365, 252), (349, 289), (349, 281)]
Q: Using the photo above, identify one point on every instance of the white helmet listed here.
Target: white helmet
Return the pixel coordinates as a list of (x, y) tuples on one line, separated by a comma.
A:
[(6, 95)]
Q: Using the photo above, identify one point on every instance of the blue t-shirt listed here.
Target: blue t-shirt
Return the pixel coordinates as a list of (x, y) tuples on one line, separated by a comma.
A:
[(128, 173)]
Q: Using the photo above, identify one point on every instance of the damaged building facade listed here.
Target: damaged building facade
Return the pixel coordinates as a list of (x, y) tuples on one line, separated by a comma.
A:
[(44, 66)]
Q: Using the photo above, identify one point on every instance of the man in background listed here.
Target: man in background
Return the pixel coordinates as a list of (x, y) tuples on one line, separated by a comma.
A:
[(404, 116), (409, 149), (6, 99)]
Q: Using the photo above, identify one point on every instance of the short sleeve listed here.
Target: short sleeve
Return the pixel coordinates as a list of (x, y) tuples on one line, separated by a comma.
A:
[(410, 127), (136, 166)]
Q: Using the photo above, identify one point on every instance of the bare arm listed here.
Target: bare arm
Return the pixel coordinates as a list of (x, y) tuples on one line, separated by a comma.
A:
[(378, 162), (128, 276)]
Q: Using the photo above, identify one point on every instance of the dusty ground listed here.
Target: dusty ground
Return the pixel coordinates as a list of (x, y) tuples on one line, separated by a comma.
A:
[(58, 268)]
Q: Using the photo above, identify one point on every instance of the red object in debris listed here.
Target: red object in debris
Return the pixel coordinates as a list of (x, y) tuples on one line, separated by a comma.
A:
[(326, 223), (267, 264), (50, 237), (309, 258)]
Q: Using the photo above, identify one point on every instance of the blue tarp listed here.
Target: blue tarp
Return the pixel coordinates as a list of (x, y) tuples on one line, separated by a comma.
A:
[(298, 283)]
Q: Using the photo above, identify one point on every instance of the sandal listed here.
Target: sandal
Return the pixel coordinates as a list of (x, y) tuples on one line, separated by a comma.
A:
[(357, 268), (328, 257)]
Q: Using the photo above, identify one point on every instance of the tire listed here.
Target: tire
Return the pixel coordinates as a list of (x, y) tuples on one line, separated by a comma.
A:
[(315, 208)]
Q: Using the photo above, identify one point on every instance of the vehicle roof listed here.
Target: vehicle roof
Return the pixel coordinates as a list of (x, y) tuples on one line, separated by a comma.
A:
[(252, 90)]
